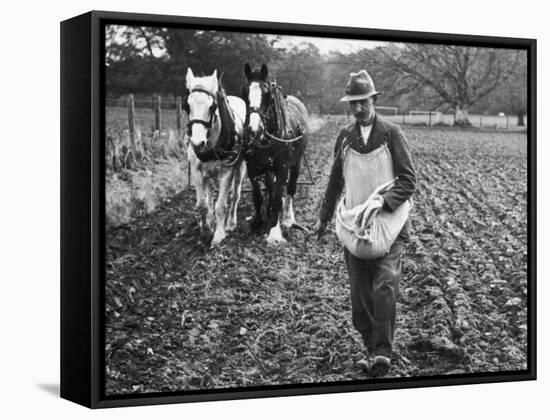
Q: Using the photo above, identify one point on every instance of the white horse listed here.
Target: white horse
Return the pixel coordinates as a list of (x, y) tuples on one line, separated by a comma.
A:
[(215, 137)]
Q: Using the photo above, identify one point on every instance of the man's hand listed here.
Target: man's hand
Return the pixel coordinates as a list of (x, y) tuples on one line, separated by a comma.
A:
[(320, 228), (365, 218)]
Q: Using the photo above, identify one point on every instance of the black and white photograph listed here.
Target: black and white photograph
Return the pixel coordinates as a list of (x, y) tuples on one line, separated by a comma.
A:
[(287, 210), (275, 210)]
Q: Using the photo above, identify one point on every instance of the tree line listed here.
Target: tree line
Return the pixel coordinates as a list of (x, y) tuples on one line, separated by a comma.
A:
[(446, 78)]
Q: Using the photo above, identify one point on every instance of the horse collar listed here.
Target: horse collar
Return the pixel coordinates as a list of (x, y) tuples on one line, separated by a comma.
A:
[(229, 149)]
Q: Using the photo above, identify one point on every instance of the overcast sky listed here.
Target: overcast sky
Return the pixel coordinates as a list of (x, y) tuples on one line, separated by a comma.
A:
[(326, 45)]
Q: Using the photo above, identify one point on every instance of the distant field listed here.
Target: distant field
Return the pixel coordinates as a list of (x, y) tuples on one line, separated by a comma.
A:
[(485, 121), (180, 316), (145, 117)]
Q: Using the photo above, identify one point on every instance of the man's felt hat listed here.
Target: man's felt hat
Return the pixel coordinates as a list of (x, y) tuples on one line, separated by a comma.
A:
[(360, 86)]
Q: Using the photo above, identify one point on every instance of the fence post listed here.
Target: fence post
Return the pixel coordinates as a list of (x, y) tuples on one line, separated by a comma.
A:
[(157, 114), (507, 121), (131, 124), (480, 122), (403, 118), (178, 115)]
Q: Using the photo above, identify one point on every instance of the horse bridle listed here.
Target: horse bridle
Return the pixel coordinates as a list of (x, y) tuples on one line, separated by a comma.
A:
[(211, 111), (258, 110), (208, 124)]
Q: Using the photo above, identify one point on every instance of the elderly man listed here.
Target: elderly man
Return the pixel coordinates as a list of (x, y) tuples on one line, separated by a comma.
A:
[(374, 283)]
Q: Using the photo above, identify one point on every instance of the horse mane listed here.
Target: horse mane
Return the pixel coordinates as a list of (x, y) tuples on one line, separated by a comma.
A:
[(282, 112), (279, 116), (226, 116)]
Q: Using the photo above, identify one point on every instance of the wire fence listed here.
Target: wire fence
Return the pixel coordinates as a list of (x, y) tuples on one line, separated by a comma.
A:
[(135, 134), (490, 122), (151, 131), (141, 102), (157, 113), (154, 114)]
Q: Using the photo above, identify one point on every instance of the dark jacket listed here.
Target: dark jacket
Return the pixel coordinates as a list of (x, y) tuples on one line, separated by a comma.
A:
[(382, 132)]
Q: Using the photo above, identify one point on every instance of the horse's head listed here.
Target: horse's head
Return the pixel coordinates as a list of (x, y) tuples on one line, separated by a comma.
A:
[(256, 94), (201, 106)]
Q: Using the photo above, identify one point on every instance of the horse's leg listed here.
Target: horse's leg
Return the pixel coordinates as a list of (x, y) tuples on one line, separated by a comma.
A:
[(226, 180), (197, 178), (209, 191), (257, 198), (289, 219), (238, 176), (275, 205)]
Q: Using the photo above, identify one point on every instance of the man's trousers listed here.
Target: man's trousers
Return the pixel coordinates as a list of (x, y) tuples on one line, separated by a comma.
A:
[(374, 292)]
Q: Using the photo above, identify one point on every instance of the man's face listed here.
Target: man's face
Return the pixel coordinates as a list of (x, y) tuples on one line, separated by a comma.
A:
[(363, 110)]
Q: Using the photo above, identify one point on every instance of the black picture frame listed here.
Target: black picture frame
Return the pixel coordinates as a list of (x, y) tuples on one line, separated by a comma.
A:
[(83, 204)]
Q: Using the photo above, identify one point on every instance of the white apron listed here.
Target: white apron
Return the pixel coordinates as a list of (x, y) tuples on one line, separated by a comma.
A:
[(366, 175)]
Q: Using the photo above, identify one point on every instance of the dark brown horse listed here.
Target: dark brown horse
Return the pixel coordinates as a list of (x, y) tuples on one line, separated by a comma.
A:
[(274, 143)]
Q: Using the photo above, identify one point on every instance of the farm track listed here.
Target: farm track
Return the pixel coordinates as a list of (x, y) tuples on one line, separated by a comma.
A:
[(180, 316)]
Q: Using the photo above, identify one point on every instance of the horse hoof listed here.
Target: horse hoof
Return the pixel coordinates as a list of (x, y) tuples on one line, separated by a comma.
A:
[(275, 241), (300, 227), (206, 232), (218, 238), (287, 223), (256, 225)]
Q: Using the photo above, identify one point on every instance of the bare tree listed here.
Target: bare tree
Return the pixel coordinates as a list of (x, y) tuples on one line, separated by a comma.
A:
[(456, 76), (512, 95)]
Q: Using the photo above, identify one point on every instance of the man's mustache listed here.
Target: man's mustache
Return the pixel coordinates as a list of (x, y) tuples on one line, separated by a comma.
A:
[(362, 114)]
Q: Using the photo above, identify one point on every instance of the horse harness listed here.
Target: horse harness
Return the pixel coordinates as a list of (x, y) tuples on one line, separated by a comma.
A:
[(211, 111), (228, 156), (281, 123)]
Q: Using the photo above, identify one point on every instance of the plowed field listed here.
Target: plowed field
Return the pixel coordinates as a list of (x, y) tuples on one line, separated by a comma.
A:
[(180, 316)]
